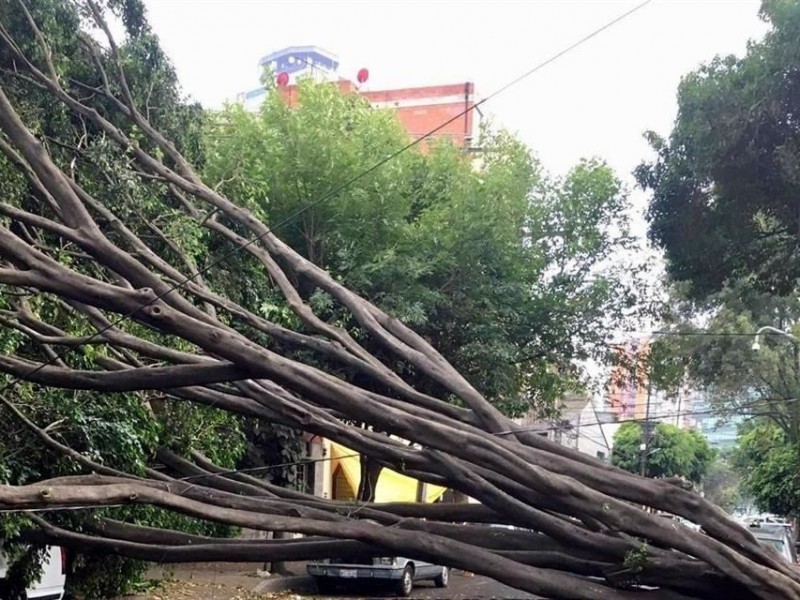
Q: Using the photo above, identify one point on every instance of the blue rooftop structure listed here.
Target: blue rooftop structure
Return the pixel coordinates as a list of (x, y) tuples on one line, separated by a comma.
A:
[(296, 62), (294, 59)]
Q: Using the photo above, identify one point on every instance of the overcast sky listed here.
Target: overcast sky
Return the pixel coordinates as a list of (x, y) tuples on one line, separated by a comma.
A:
[(595, 101)]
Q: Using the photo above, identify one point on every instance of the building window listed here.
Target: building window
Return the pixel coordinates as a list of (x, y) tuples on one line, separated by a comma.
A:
[(341, 487), (306, 475)]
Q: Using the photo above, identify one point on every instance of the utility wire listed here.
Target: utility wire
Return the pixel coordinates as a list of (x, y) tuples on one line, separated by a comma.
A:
[(307, 461), (691, 413), (329, 195), (581, 433), (353, 455), (696, 333), (567, 429)]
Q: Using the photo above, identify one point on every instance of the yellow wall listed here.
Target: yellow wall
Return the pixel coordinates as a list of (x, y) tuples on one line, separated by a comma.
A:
[(392, 486)]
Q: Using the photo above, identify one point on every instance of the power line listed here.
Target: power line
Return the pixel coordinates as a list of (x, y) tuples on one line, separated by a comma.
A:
[(305, 461), (566, 429), (697, 333), (115, 322), (563, 428), (672, 415)]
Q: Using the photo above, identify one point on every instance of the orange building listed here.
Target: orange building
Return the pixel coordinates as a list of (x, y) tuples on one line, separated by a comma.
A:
[(628, 387), (423, 109), (419, 109)]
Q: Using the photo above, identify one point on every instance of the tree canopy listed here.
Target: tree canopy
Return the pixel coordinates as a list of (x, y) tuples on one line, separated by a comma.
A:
[(132, 266), (671, 451), (505, 270), (757, 388), (724, 187), (769, 465), (99, 425), (718, 357), (725, 181)]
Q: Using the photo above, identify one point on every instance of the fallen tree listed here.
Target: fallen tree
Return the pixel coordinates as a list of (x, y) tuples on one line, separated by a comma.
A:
[(161, 331)]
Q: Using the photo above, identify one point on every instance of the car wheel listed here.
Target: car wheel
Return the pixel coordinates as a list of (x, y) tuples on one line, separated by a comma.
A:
[(325, 586), (406, 583), (443, 579)]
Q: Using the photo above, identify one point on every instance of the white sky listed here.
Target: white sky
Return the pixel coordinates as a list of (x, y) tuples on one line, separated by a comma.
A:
[(595, 101)]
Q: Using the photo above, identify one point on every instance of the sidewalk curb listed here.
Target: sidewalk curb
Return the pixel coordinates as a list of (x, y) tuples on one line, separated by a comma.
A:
[(285, 584)]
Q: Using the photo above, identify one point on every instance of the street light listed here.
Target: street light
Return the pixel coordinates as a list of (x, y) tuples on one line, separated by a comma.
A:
[(796, 344), (757, 346)]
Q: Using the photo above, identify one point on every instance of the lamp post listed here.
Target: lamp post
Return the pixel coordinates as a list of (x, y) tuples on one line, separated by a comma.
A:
[(786, 334), (796, 344), (794, 410)]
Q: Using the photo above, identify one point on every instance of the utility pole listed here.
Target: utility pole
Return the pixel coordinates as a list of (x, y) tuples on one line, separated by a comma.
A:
[(602, 429), (795, 412), (795, 409), (645, 447)]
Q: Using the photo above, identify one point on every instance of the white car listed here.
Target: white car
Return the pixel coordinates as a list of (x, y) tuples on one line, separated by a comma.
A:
[(50, 585), (777, 537), (397, 571)]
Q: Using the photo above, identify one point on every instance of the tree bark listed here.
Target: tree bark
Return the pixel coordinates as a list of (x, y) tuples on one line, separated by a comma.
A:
[(578, 520)]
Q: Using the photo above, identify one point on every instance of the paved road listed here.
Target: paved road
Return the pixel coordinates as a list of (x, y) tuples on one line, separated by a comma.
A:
[(460, 588)]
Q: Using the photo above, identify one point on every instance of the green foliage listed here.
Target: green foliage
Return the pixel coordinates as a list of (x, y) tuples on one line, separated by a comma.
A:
[(720, 360), (110, 428), (121, 430), (770, 467), (672, 452), (24, 566), (725, 183), (218, 435), (100, 576), (636, 560), (24, 561), (275, 451), (626, 447), (504, 270)]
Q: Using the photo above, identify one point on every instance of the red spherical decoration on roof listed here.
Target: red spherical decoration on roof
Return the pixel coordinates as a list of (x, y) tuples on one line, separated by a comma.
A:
[(283, 79), (363, 75)]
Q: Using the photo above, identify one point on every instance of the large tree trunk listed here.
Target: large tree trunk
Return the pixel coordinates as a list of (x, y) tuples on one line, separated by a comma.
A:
[(368, 484), (581, 533), (279, 566)]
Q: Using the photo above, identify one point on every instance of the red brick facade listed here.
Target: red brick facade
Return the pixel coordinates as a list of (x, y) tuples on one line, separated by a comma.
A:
[(421, 109)]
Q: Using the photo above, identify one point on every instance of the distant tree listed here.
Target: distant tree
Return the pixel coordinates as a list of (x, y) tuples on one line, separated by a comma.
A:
[(770, 467), (672, 452), (724, 208), (717, 356), (722, 483)]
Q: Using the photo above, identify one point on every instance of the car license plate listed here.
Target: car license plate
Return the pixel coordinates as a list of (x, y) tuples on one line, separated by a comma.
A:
[(349, 573)]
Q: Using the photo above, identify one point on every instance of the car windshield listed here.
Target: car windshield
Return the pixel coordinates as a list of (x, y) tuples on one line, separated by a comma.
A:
[(779, 545)]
